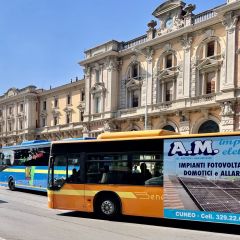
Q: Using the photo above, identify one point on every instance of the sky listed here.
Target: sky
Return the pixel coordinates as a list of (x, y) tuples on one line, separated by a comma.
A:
[(42, 41)]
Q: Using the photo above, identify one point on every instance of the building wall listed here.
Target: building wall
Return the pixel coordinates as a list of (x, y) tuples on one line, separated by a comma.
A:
[(192, 103), (126, 81)]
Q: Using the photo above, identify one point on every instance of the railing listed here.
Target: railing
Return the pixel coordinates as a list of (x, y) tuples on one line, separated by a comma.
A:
[(134, 42), (201, 17), (203, 99)]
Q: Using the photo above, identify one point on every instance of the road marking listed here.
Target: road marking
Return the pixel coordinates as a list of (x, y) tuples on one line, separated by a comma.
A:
[(2, 238)]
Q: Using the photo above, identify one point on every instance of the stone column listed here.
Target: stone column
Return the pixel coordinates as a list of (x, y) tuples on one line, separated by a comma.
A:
[(229, 22)]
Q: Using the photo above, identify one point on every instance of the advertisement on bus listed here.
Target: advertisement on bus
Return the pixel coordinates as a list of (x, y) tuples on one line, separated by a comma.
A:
[(202, 179)]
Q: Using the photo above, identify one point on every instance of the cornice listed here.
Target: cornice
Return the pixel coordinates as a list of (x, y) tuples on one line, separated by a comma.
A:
[(14, 99), (98, 57), (44, 93), (227, 7)]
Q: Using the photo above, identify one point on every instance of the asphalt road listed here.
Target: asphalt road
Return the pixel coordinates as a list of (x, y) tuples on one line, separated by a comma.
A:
[(25, 216)]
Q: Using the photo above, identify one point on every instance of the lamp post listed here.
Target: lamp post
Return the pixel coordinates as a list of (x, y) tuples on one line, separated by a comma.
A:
[(148, 56)]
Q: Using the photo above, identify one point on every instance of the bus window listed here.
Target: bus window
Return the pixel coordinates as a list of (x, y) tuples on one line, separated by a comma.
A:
[(133, 169), (107, 168), (7, 157), (37, 157), (147, 169), (59, 177), (74, 174)]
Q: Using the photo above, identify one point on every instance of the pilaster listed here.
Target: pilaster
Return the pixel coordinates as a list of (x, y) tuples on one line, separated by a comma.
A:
[(186, 42), (87, 74), (230, 20)]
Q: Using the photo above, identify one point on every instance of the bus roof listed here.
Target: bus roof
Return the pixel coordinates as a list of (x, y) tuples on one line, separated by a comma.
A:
[(27, 144), (80, 138), (136, 134), (148, 134)]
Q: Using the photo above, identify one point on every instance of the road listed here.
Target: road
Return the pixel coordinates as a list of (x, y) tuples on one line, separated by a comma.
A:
[(25, 216)]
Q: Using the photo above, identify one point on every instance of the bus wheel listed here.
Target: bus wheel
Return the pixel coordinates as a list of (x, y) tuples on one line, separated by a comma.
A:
[(108, 207), (11, 184)]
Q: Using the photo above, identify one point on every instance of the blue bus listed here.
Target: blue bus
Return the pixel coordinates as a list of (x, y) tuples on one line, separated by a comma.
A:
[(25, 165)]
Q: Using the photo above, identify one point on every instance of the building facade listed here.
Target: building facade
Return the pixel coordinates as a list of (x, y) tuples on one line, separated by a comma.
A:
[(182, 75), (61, 111), (18, 115), (31, 113)]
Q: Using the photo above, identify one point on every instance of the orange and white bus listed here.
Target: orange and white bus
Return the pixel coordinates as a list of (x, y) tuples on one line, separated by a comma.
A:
[(153, 173)]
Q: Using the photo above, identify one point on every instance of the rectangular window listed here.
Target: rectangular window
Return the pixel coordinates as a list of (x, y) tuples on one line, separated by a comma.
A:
[(68, 99), (169, 61), (55, 121), (82, 96), (21, 107), (10, 126), (97, 105), (135, 98), (43, 122), (135, 71), (55, 102), (210, 83), (169, 95), (97, 73), (210, 49), (81, 116), (20, 124), (68, 118), (44, 105)]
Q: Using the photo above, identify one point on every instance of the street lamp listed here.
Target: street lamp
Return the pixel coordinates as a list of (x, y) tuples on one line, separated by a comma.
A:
[(148, 56)]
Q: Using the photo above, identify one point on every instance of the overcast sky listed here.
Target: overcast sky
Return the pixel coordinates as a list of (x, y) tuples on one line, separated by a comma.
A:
[(42, 41)]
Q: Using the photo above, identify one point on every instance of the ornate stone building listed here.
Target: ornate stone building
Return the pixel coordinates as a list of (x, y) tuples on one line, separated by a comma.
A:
[(31, 113), (61, 111), (18, 115), (182, 75)]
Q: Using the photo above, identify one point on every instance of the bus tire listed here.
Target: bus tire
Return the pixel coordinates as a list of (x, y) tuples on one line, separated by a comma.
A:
[(11, 184), (108, 206)]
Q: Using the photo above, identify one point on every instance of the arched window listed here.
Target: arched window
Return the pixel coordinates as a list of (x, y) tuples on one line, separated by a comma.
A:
[(208, 127), (167, 73), (134, 71), (209, 61), (169, 128)]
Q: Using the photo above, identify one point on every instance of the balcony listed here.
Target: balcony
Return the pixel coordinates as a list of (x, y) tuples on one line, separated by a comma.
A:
[(132, 43), (203, 100), (204, 16), (131, 112)]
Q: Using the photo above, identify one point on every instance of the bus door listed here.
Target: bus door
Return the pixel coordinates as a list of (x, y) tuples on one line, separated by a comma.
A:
[(65, 177)]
